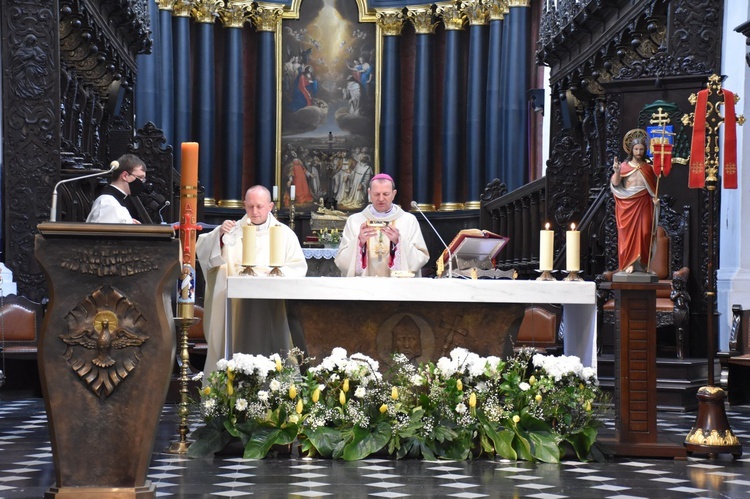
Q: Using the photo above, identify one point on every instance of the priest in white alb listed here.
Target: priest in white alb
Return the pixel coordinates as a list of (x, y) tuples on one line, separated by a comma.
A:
[(260, 326), (381, 240)]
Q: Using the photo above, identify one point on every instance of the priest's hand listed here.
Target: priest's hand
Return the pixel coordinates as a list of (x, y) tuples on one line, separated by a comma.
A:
[(227, 226), (365, 233), (392, 233)]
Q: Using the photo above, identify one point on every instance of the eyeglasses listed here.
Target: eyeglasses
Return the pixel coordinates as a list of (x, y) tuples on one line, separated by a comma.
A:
[(141, 178)]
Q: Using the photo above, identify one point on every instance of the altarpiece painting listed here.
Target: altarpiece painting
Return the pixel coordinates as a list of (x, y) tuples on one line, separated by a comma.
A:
[(328, 104)]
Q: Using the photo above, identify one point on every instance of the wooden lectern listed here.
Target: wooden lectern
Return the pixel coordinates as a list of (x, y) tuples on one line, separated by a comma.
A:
[(106, 352), (635, 373)]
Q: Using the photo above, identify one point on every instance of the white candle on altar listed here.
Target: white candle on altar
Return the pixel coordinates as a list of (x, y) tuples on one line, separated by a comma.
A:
[(249, 238), (573, 249), (292, 192), (546, 248), (276, 257), (275, 193)]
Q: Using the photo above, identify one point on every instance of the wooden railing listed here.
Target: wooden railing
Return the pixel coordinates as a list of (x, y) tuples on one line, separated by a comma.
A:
[(521, 214), (518, 215)]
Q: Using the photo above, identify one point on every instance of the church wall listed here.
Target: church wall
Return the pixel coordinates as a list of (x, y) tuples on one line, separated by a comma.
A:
[(733, 274)]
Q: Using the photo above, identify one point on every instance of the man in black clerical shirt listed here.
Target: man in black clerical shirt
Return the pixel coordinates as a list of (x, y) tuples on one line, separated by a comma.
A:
[(114, 205)]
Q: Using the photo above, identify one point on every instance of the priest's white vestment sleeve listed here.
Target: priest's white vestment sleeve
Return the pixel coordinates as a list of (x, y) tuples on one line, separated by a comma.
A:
[(260, 326)]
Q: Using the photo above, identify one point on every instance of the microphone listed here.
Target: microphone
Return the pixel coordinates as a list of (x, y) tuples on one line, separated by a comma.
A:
[(53, 211), (166, 203), (450, 255)]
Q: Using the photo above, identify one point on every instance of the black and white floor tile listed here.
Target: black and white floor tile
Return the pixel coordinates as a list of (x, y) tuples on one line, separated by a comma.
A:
[(27, 470)]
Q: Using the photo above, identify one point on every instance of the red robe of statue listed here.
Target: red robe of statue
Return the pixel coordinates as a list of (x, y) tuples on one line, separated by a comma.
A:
[(634, 211), (301, 187)]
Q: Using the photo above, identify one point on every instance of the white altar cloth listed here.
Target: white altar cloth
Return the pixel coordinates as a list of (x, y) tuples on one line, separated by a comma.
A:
[(577, 297)]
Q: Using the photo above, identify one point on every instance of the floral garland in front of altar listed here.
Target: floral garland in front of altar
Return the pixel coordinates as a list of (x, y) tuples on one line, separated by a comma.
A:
[(530, 407)]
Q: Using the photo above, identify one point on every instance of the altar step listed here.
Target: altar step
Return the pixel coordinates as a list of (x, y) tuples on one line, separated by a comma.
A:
[(677, 381)]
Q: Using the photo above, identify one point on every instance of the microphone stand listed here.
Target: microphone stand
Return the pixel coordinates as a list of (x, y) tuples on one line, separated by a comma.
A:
[(450, 255), (53, 209), (161, 218)]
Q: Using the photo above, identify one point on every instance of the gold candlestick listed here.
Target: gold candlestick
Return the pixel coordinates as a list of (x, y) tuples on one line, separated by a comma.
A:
[(183, 359), (276, 272), (248, 270), (546, 276), (573, 276)]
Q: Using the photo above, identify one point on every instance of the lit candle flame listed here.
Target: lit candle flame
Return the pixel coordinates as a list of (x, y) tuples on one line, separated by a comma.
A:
[(572, 226), (546, 226)]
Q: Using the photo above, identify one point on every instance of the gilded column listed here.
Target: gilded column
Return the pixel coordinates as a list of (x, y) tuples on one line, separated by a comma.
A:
[(478, 12), (267, 19), (233, 17), (166, 69), (454, 19), (515, 82), (493, 151), (182, 80), (391, 22), (205, 13), (423, 157)]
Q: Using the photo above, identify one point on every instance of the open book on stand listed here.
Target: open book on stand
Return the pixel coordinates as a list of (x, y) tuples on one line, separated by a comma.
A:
[(475, 250)]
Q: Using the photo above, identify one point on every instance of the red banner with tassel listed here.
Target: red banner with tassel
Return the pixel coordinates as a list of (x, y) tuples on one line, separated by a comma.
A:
[(662, 157), (730, 141), (697, 176)]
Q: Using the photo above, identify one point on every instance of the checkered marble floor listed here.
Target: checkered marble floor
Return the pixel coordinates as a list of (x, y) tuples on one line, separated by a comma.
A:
[(26, 469)]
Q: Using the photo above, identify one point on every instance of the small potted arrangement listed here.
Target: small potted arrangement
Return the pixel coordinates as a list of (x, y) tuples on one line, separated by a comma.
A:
[(329, 238)]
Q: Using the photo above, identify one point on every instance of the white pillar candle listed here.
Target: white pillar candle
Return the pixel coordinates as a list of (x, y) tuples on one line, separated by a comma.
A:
[(249, 235), (572, 249), (546, 248), (276, 250), (292, 192), (275, 193)]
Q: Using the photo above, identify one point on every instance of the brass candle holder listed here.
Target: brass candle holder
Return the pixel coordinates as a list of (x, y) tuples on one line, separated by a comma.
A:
[(546, 275), (183, 359), (248, 270), (276, 271), (573, 275)]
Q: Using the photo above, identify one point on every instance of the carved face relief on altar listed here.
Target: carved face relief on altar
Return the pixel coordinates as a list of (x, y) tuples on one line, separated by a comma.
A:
[(407, 338), (104, 340), (408, 334)]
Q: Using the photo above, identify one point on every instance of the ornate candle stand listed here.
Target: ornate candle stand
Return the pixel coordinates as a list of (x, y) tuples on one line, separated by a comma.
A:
[(248, 270), (183, 324), (573, 276), (275, 271), (291, 214), (546, 275), (711, 433)]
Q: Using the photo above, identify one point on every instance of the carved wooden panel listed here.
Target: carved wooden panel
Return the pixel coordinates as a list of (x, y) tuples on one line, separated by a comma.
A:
[(31, 131)]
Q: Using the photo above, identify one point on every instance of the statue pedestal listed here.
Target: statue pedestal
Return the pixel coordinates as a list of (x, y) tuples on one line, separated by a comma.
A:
[(106, 352), (635, 373)]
